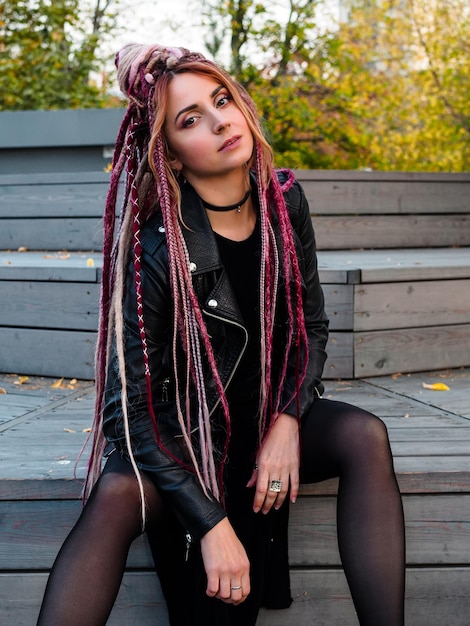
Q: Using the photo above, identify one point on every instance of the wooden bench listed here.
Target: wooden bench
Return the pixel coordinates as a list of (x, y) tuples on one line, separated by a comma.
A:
[(394, 260), (41, 433)]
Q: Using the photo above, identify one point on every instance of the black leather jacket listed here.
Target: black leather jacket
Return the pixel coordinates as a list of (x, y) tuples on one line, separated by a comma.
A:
[(180, 486)]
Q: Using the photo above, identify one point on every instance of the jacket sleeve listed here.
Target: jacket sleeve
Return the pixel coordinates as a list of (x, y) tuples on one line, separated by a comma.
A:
[(177, 484), (316, 321)]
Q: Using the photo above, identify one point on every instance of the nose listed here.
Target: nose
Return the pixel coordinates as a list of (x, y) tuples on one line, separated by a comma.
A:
[(220, 123)]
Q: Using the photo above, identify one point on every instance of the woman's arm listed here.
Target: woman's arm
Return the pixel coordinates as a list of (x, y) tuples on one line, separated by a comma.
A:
[(179, 485), (316, 321)]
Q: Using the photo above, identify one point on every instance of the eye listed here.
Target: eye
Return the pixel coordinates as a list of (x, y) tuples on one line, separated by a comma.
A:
[(189, 121), (223, 99)]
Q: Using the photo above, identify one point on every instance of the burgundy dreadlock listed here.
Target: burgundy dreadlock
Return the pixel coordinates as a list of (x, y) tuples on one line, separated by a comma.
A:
[(141, 151)]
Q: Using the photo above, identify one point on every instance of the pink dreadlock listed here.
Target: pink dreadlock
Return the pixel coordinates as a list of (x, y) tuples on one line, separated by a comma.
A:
[(144, 73)]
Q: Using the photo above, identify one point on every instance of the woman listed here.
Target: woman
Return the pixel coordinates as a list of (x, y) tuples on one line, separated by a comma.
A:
[(209, 360)]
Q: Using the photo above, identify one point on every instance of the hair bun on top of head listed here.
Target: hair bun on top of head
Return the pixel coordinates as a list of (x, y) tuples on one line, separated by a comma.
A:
[(139, 67)]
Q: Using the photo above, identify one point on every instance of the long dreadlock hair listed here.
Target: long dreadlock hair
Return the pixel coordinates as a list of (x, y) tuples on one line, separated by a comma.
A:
[(143, 154)]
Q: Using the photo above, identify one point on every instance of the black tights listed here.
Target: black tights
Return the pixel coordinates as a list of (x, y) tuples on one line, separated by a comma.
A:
[(337, 440)]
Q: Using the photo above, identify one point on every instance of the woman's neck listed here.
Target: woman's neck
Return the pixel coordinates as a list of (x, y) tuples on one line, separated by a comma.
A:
[(222, 191), (225, 191), (234, 225)]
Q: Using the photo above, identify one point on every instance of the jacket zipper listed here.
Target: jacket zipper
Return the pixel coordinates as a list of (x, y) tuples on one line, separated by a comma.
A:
[(226, 321), (189, 541)]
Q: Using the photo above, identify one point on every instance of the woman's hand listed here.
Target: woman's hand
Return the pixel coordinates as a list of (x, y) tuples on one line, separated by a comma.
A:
[(226, 564), (278, 460)]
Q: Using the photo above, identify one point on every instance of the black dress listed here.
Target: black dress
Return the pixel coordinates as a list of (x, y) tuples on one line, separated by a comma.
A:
[(264, 537)]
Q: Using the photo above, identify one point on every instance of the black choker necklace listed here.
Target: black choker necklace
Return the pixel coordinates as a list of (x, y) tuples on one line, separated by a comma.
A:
[(230, 207)]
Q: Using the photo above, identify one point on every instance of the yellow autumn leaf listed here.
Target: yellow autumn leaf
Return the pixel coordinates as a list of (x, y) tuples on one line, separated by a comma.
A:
[(90, 263), (86, 430), (21, 380), (57, 384), (3, 391), (69, 430), (436, 387)]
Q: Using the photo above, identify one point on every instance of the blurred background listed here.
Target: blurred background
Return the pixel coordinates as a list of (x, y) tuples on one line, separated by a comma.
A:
[(345, 84)]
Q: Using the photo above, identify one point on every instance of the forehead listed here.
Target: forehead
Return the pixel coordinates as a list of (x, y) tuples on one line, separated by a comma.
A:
[(189, 87)]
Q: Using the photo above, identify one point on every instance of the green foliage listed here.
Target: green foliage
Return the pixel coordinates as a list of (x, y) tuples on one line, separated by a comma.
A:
[(48, 53), (388, 89)]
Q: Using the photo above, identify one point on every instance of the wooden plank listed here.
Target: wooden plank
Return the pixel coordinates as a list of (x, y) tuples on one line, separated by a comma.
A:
[(51, 266), (437, 529), (59, 200), (56, 352), (339, 306), (376, 175), (54, 178), (434, 596), (387, 231), (349, 197), (411, 385), (140, 600), (340, 362), (49, 305), (411, 304), (51, 233), (374, 266), (411, 349)]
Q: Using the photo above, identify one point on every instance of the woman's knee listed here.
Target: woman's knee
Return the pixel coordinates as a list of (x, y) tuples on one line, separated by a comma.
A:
[(366, 436), (118, 491)]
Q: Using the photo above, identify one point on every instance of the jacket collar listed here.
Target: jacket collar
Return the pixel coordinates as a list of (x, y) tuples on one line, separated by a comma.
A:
[(197, 232)]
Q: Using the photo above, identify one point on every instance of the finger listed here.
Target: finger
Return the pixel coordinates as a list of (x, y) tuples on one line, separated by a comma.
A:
[(253, 478), (294, 486), (276, 494), (261, 490), (212, 588)]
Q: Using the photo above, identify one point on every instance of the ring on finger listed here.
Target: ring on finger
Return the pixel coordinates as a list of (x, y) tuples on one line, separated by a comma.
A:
[(275, 486), (236, 587)]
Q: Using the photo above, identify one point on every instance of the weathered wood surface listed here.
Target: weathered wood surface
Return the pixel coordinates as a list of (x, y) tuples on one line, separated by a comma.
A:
[(429, 433), (434, 596), (62, 266), (71, 306), (411, 304), (437, 530), (62, 233), (390, 231), (410, 349), (384, 266), (54, 353), (332, 192)]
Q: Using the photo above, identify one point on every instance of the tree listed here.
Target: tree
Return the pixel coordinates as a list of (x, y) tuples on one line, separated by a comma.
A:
[(388, 88), (49, 53)]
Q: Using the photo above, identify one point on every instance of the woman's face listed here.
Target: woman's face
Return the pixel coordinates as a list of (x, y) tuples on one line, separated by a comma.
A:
[(207, 133)]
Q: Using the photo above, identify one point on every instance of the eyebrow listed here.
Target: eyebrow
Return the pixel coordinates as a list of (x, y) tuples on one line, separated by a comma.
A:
[(191, 107)]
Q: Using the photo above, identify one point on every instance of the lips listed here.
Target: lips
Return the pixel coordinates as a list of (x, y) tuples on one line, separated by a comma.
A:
[(232, 142)]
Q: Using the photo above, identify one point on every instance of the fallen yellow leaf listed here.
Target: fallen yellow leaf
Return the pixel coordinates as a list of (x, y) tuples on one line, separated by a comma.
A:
[(22, 249), (57, 384), (86, 430), (2, 391), (21, 380), (69, 430), (90, 263), (436, 387)]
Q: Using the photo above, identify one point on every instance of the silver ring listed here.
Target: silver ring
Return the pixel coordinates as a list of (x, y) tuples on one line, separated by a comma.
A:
[(275, 485), (236, 588)]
